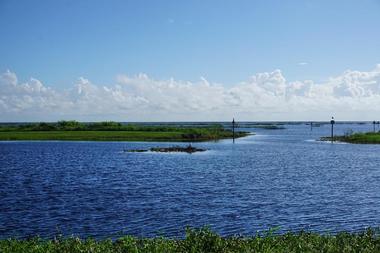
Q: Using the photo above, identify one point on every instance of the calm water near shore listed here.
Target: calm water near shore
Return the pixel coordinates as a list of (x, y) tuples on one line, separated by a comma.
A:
[(275, 178)]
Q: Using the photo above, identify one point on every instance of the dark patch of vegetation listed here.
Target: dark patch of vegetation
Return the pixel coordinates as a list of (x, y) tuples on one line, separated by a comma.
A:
[(188, 149), (136, 150), (113, 131), (357, 138), (206, 241)]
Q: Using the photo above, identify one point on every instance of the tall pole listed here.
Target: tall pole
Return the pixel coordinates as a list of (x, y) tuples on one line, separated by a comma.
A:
[(233, 130), (332, 129), (374, 125)]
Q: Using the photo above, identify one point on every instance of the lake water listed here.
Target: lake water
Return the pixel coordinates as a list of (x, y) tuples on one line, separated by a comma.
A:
[(276, 178)]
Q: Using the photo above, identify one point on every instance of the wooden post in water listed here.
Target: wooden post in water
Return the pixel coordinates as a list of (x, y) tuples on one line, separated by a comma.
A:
[(311, 126), (374, 126), (233, 130), (332, 129)]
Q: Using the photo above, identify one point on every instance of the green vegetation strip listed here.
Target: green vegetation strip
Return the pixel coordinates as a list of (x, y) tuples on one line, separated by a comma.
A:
[(204, 240), (91, 135), (357, 138), (112, 131)]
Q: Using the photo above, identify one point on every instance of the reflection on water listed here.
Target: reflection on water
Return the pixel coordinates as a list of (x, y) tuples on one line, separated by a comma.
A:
[(275, 178)]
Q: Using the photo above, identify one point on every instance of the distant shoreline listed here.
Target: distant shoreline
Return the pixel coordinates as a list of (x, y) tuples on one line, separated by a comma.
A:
[(113, 131), (160, 136)]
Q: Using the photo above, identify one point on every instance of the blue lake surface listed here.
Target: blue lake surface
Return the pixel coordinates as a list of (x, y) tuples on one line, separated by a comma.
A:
[(276, 178)]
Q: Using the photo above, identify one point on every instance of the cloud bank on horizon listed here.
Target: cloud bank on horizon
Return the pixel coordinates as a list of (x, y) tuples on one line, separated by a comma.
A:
[(353, 95)]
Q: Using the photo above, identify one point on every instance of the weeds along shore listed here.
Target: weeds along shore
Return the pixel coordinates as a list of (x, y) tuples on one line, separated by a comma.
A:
[(205, 240)]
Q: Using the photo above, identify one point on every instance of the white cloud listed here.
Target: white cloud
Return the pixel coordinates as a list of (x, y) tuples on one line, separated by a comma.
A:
[(353, 95), (302, 63)]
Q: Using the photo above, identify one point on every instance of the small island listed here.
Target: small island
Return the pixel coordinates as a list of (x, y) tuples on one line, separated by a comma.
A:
[(188, 149), (357, 138), (114, 131)]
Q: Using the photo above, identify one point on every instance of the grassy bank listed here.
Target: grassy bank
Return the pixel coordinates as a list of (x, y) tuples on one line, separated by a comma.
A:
[(357, 138), (112, 131), (204, 240)]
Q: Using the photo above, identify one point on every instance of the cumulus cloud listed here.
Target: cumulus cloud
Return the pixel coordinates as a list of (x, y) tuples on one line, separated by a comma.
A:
[(353, 95)]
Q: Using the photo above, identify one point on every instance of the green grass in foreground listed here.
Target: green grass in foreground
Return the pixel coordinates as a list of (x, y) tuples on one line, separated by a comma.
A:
[(204, 240), (357, 138)]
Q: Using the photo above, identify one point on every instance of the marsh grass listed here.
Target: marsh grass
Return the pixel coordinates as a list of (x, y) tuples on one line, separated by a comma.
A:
[(357, 138), (113, 131), (205, 240)]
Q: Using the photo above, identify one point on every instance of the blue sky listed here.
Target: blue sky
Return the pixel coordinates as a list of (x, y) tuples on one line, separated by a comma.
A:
[(83, 60), (223, 41)]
